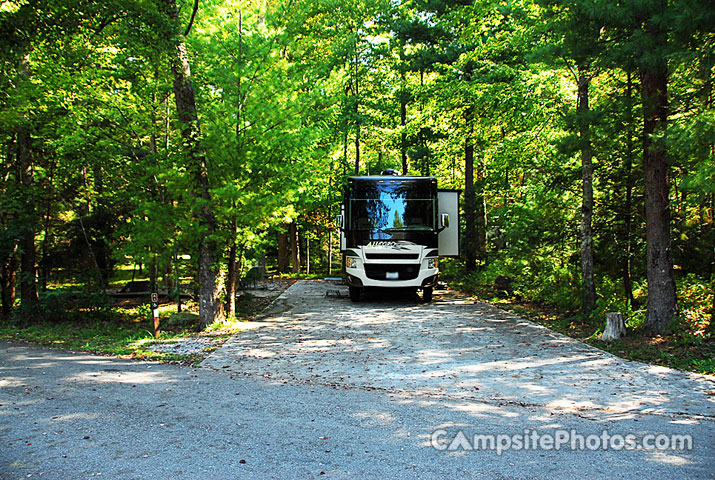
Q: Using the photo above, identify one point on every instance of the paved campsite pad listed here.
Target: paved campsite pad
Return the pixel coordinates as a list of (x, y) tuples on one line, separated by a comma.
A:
[(453, 348)]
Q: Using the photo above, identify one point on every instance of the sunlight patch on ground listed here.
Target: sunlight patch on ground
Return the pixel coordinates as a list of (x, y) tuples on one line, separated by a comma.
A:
[(127, 377)]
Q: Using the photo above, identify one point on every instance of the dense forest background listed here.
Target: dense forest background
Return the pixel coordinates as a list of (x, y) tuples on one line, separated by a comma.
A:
[(196, 139)]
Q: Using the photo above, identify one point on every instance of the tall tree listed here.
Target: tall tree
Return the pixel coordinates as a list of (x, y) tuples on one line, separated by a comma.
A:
[(588, 283), (574, 30), (184, 97), (662, 301), (470, 197), (28, 278)]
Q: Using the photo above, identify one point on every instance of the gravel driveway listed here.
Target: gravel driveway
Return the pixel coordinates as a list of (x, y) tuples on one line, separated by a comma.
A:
[(453, 348), (327, 389)]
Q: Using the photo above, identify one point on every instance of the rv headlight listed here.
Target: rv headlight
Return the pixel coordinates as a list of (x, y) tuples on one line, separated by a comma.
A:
[(432, 263), (351, 262)]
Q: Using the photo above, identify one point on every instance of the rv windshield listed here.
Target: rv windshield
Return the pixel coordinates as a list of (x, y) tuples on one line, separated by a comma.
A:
[(392, 206)]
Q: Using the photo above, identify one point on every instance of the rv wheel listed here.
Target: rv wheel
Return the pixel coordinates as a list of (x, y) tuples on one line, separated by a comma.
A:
[(355, 294), (427, 294)]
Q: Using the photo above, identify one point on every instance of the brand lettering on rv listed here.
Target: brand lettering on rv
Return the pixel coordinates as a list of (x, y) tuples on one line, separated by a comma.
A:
[(399, 245)]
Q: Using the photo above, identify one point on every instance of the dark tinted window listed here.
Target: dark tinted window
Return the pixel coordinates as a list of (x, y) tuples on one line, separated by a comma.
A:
[(392, 206)]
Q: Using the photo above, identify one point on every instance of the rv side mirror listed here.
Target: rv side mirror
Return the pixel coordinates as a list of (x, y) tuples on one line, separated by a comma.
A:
[(339, 220), (445, 220)]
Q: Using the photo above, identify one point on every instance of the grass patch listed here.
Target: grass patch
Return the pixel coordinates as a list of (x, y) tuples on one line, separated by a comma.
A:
[(78, 321), (680, 349)]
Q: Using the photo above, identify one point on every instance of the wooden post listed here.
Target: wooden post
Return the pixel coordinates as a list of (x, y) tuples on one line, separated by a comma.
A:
[(177, 281), (155, 313), (615, 327)]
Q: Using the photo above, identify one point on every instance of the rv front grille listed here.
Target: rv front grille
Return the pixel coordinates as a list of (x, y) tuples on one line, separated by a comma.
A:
[(392, 256), (395, 271)]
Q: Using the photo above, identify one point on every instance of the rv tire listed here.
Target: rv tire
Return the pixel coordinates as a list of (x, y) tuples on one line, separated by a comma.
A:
[(355, 294)]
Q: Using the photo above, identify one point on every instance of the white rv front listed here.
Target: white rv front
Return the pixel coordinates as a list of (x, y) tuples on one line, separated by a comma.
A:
[(396, 238)]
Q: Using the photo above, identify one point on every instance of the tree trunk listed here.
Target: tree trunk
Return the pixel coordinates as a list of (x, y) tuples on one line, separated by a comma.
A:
[(403, 124), (283, 250), (480, 212), (662, 301), (615, 327), (303, 253), (357, 114), (330, 239), (294, 248), (307, 254), (588, 301), (231, 280), (8, 271), (357, 141), (44, 266), (28, 278), (177, 281), (711, 326), (628, 207), (154, 274), (470, 234), (209, 305)]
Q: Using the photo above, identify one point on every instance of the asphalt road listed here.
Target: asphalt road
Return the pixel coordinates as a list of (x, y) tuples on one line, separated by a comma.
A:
[(389, 388)]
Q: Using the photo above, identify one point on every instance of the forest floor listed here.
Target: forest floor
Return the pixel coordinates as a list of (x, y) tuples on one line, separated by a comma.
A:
[(122, 327), (682, 348), (689, 344)]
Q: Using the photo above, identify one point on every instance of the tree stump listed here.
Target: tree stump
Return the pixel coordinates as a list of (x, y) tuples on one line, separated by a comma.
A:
[(615, 327)]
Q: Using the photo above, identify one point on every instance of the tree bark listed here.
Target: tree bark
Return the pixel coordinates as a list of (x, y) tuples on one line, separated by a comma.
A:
[(330, 236), (283, 250), (628, 207), (44, 266), (307, 254), (294, 248), (403, 110), (209, 305), (480, 214), (29, 300), (357, 113), (470, 234), (357, 132), (231, 279), (662, 301), (588, 300), (615, 327), (403, 135), (8, 271), (28, 277), (711, 326)]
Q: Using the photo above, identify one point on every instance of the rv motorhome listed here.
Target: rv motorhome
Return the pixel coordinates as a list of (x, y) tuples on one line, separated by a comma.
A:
[(393, 231)]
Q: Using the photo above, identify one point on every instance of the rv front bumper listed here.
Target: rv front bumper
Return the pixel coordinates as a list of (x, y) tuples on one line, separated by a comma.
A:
[(378, 275)]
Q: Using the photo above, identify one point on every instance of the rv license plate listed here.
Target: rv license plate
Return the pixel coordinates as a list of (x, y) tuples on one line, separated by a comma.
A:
[(392, 275)]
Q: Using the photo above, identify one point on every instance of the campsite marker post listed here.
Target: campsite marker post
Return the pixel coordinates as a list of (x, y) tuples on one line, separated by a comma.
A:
[(155, 313)]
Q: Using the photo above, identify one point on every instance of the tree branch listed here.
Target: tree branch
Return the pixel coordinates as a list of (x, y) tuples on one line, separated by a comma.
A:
[(193, 17)]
